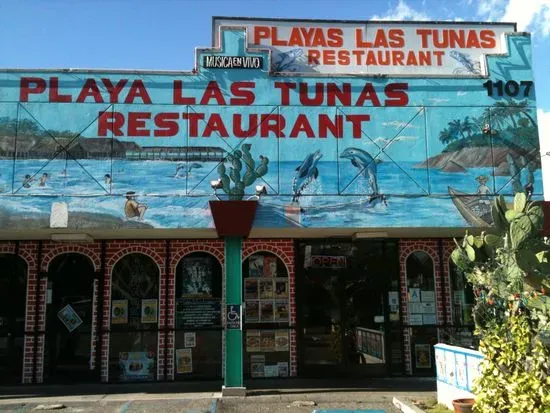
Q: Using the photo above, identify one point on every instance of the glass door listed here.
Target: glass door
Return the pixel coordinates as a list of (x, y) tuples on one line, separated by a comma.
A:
[(69, 319), (12, 317)]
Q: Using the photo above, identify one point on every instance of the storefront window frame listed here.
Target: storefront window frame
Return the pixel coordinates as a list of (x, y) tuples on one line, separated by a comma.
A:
[(157, 330), (219, 328)]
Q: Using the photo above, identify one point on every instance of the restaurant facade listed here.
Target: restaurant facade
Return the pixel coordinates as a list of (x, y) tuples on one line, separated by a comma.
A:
[(285, 209)]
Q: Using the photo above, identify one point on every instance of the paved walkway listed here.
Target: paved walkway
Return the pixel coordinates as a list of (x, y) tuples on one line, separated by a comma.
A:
[(270, 396)]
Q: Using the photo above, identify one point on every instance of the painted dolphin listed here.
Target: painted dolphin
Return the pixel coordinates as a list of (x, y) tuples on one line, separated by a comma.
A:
[(285, 60), (366, 164), (306, 172), (194, 165)]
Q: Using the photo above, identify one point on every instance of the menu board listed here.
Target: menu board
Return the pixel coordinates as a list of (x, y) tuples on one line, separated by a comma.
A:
[(193, 313), (267, 341)]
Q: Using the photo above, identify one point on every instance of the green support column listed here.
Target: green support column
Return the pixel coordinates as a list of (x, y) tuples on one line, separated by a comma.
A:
[(233, 377)]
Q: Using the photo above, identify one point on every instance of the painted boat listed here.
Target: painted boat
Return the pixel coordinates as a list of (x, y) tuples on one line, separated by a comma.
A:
[(472, 207)]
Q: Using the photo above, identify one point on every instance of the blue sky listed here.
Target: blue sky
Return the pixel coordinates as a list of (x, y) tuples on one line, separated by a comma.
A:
[(162, 34)]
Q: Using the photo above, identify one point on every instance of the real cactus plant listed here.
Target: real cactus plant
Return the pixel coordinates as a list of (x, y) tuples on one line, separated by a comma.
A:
[(509, 269), (252, 173)]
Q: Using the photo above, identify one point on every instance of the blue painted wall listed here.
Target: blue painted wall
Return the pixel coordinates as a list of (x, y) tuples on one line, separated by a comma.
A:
[(372, 165)]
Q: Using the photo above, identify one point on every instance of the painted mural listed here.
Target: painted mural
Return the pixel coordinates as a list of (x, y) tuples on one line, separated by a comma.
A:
[(149, 150)]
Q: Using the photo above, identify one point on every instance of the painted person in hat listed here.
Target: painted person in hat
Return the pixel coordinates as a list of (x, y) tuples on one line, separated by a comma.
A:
[(483, 189), (132, 208)]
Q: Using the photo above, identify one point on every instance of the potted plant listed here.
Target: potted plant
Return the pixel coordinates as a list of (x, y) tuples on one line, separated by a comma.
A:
[(233, 216), (463, 405)]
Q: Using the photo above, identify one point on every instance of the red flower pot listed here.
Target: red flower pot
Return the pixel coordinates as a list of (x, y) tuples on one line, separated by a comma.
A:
[(463, 405), (233, 218)]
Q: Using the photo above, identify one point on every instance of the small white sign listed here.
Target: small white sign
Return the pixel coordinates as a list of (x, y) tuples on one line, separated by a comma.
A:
[(415, 319), (427, 296), (414, 295), (190, 340)]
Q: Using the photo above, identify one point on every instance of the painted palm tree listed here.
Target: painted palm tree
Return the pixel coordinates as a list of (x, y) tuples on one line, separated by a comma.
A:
[(521, 107), (445, 136), (468, 126), (456, 127)]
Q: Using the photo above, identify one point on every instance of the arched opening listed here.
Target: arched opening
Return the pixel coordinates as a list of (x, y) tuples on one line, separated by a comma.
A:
[(134, 319), (266, 316), (13, 283), (198, 292), (69, 302), (422, 311)]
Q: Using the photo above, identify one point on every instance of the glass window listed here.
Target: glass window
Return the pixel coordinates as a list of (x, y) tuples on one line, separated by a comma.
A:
[(134, 318), (267, 316), (421, 289), (462, 297), (198, 350)]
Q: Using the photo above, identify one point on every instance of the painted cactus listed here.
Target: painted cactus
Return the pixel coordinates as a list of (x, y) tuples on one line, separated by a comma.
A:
[(252, 173)]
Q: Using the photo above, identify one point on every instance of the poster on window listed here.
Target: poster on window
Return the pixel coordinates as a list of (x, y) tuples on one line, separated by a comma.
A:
[(270, 266), (252, 311), (266, 309), (281, 289), (197, 277), (414, 295), (251, 289), (184, 360), (69, 318), (283, 368), (268, 341), (266, 289), (149, 311), (256, 266), (119, 312), (190, 339), (253, 340), (137, 365), (281, 340), (422, 356), (257, 365), (280, 311)]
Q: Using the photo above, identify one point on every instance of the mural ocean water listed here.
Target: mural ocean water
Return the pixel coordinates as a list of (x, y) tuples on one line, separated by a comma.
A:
[(143, 151)]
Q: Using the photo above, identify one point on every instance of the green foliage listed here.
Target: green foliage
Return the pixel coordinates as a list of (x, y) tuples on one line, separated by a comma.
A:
[(252, 173), (509, 270), (515, 371)]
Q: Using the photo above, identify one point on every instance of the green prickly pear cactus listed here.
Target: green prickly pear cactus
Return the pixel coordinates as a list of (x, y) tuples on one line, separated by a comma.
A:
[(252, 173), (509, 270)]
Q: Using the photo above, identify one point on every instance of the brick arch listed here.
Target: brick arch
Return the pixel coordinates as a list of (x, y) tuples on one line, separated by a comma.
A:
[(138, 249), (23, 253), (181, 253), (71, 249), (269, 248)]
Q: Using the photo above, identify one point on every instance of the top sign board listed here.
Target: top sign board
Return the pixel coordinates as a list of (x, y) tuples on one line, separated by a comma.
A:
[(374, 48)]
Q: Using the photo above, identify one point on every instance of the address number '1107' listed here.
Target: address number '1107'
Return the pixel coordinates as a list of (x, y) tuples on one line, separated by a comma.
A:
[(510, 88)]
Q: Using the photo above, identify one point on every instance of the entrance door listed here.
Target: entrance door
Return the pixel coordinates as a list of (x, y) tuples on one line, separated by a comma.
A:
[(12, 317), (343, 301), (69, 319)]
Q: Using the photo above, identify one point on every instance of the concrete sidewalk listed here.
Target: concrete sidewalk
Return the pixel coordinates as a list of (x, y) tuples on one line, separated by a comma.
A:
[(290, 395)]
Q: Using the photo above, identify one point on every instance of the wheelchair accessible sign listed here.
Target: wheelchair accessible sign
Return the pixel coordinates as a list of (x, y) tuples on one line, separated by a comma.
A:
[(233, 317)]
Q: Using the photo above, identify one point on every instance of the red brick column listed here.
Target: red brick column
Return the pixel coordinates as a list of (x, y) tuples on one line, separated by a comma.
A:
[(406, 248), (155, 249), (284, 249), (448, 247)]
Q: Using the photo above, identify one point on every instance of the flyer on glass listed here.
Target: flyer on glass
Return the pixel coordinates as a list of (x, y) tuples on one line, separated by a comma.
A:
[(422, 356), (149, 310), (271, 371), (69, 318), (280, 311), (266, 289), (119, 312), (197, 277), (253, 340), (281, 340), (257, 364), (283, 368), (190, 339), (268, 341), (266, 308), (256, 266), (270, 266), (251, 289), (137, 365), (252, 311), (184, 360), (281, 289)]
